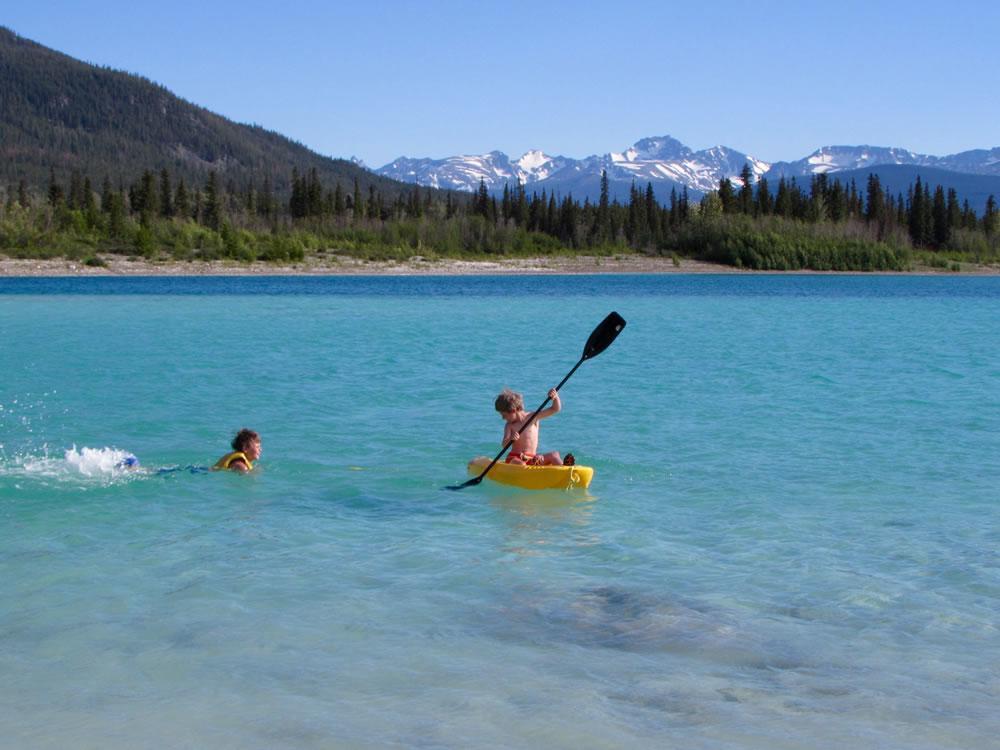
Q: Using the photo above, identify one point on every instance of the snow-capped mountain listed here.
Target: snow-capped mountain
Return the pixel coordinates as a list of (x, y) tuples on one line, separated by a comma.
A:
[(664, 162), (842, 158), (663, 159), (666, 158), (465, 172)]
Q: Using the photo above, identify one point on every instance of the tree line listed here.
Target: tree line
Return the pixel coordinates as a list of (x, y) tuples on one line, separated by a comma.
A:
[(826, 225)]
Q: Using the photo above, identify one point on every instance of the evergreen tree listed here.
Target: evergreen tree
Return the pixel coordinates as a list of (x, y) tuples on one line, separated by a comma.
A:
[(652, 228), (784, 203), (726, 196), (265, 199), (921, 222), (182, 204), (357, 205), (482, 204), (298, 203), (520, 205), (875, 200), (746, 190), (106, 193), (339, 208), (838, 202), (603, 226), (764, 204), (954, 210), (314, 194), (149, 201), (969, 220), (211, 212), (56, 195), (89, 207), (991, 218), (77, 199), (116, 215), (818, 210), (166, 195), (939, 219)]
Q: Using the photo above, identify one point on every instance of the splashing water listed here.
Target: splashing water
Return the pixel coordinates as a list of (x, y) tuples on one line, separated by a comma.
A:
[(105, 465)]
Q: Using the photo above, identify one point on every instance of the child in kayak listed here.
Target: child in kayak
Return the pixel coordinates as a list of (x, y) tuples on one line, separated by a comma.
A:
[(525, 448), (246, 450)]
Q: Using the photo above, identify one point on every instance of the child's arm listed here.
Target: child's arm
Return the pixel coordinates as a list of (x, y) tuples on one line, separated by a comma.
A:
[(554, 409)]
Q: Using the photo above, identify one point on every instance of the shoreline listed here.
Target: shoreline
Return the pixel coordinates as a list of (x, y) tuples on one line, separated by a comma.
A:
[(341, 265)]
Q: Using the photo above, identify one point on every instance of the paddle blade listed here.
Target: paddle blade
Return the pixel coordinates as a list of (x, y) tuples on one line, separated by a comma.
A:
[(606, 332), (463, 485)]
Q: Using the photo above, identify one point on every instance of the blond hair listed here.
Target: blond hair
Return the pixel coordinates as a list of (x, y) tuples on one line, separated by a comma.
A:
[(509, 400)]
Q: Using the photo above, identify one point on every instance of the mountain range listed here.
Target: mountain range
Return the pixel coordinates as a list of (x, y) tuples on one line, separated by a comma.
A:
[(668, 164)]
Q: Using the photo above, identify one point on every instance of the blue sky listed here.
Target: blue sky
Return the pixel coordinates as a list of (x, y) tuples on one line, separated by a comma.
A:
[(377, 80)]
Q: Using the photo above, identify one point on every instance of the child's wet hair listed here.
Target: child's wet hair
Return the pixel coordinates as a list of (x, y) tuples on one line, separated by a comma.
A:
[(243, 439), (509, 400)]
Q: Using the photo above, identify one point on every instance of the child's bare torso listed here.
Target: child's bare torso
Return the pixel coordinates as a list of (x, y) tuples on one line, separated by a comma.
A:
[(527, 440)]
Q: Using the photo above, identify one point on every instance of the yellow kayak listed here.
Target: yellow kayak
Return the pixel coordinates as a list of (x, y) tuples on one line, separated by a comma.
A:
[(534, 477)]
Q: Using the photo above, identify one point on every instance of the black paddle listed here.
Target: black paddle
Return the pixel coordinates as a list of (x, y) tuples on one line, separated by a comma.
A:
[(599, 340)]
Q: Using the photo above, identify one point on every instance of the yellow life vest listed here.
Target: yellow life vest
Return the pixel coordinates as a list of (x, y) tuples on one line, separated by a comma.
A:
[(226, 461)]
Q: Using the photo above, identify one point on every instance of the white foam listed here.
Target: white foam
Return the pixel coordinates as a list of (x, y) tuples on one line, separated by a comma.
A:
[(103, 464)]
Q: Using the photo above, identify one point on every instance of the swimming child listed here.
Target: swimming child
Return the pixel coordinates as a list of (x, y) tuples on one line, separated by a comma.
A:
[(246, 450), (525, 448)]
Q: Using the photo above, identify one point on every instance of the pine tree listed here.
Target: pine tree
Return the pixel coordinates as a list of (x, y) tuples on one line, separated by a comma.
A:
[(182, 204), (357, 205), (838, 202), (603, 229), (520, 205), (116, 215), (339, 209), (76, 196), (56, 195), (939, 219), (991, 218), (954, 210), (166, 195), (726, 196), (149, 199), (90, 209), (746, 190), (482, 204), (652, 228), (314, 194), (298, 205), (106, 193), (764, 205), (211, 211), (265, 199), (875, 200), (783, 203), (506, 208)]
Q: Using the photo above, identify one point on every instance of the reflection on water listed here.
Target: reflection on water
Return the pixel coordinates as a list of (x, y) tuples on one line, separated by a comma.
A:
[(542, 520)]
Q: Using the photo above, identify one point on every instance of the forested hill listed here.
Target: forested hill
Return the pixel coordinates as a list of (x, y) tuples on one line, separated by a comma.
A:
[(59, 113)]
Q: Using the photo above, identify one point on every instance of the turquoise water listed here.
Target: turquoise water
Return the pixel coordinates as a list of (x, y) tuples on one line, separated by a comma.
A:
[(791, 540)]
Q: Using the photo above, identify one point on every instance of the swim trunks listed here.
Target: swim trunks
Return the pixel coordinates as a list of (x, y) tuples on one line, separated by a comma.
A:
[(530, 459)]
